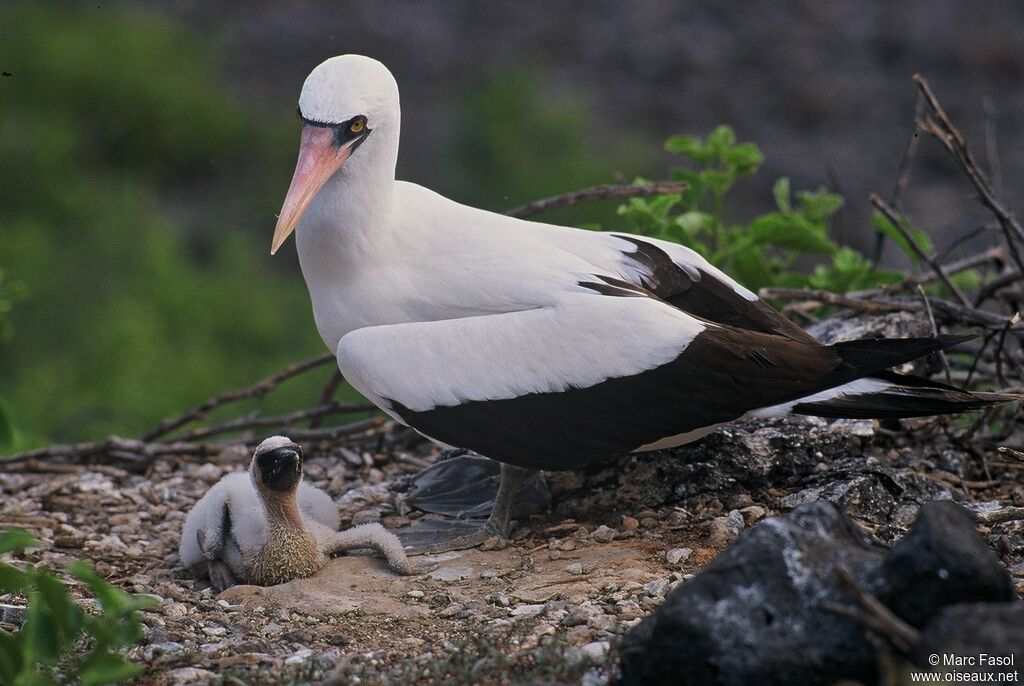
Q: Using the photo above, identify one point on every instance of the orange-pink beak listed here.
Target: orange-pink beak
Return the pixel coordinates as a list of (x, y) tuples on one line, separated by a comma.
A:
[(319, 158)]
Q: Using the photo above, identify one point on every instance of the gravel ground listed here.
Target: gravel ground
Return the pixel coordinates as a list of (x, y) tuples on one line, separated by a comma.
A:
[(551, 606)]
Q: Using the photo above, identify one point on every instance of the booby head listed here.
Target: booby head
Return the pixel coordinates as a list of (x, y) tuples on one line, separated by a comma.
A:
[(346, 102), (277, 465)]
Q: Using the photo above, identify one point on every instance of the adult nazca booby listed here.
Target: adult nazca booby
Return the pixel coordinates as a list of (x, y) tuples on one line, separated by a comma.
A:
[(541, 346)]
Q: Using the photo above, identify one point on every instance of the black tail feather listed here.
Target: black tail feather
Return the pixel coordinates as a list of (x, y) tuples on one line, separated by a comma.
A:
[(869, 356), (909, 396)]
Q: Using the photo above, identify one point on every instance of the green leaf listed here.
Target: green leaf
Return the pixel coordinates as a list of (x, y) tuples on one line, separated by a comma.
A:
[(112, 600), (40, 632), (695, 190), (744, 158), (781, 192), (819, 205), (720, 140), (789, 231), (103, 667), (750, 270), (13, 579), (718, 180), (16, 539), (65, 613), (884, 226), (694, 222), (12, 657), (690, 148)]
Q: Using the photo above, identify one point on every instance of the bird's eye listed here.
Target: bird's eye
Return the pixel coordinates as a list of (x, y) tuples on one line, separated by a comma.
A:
[(357, 126)]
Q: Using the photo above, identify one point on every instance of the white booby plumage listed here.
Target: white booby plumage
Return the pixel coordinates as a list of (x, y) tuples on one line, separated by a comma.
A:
[(542, 346)]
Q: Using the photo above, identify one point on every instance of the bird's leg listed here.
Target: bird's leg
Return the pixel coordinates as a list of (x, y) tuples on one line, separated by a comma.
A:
[(496, 525), (512, 478), (379, 539)]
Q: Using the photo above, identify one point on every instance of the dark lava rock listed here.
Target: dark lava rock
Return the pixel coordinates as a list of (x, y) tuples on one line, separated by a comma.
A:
[(942, 561), (973, 630), (759, 613), (755, 615), (742, 456)]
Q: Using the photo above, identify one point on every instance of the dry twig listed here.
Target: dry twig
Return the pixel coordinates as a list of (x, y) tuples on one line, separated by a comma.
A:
[(875, 616), (898, 221), (941, 127), (257, 390), (611, 191)]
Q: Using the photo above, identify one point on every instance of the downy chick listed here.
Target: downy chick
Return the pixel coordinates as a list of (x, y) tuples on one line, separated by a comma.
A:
[(268, 526)]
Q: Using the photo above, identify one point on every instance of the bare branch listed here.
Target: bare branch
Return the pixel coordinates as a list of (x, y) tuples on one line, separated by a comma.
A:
[(945, 312), (898, 221), (257, 390), (616, 191), (1003, 514), (281, 421), (941, 127)]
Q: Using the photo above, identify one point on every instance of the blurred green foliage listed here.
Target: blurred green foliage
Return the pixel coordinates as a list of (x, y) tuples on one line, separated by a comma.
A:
[(131, 317), (515, 141), (762, 252), (58, 641)]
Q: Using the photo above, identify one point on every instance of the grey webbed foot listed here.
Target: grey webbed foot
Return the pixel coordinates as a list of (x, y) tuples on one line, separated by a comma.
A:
[(430, 535)]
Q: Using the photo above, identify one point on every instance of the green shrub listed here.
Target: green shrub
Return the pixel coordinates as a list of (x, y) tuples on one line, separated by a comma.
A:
[(762, 252), (58, 641)]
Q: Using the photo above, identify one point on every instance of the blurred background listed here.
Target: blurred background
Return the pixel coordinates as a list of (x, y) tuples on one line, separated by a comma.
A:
[(146, 147)]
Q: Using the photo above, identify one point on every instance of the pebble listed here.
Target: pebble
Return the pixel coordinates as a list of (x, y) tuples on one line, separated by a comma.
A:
[(576, 568), (579, 616), (628, 609), (365, 517), (629, 523), (452, 610), (165, 648), (415, 595), (596, 651), (190, 675), (753, 513), (677, 519), (657, 587), (298, 657), (500, 599), (723, 530), (527, 610), (175, 610), (215, 631), (603, 534), (678, 555), (208, 472)]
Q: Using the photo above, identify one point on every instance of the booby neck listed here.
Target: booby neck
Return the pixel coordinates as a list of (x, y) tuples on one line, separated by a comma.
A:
[(350, 215)]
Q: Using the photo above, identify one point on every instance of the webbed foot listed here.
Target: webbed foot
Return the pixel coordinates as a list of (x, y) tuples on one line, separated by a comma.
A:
[(429, 536)]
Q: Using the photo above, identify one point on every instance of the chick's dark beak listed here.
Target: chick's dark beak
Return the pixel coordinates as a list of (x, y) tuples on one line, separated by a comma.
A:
[(280, 469)]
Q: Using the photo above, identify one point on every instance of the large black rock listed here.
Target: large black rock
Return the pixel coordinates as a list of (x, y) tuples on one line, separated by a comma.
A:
[(941, 561), (754, 615), (759, 613), (972, 630)]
